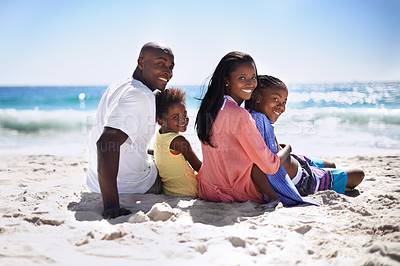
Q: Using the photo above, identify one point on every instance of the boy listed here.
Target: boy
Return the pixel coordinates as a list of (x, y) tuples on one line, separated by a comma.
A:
[(266, 105)]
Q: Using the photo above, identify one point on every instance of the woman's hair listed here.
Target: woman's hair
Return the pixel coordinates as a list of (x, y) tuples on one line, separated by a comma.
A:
[(166, 98), (264, 82), (214, 97)]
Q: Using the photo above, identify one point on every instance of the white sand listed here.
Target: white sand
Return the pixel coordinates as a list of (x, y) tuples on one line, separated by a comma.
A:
[(48, 216)]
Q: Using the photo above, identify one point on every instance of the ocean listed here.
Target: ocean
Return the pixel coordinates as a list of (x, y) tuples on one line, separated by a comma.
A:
[(320, 119)]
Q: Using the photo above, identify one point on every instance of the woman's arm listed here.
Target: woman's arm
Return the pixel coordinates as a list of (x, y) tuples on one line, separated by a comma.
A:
[(254, 145), (261, 182), (182, 145)]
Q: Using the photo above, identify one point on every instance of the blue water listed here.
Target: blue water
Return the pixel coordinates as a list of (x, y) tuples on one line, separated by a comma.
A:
[(320, 119), (51, 98)]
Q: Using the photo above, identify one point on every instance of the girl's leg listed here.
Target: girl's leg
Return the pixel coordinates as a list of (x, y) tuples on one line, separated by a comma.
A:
[(355, 176), (260, 180)]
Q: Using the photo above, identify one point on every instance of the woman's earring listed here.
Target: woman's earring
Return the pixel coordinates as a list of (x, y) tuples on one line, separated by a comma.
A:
[(226, 85)]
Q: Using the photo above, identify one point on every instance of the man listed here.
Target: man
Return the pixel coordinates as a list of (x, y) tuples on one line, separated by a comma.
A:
[(125, 124)]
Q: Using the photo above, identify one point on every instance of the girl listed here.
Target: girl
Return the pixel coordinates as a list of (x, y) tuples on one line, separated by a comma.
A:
[(172, 152), (235, 156), (266, 105)]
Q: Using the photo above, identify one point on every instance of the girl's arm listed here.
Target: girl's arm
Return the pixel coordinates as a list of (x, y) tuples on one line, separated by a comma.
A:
[(182, 145)]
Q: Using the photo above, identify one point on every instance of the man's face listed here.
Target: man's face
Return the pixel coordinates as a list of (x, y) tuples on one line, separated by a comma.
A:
[(156, 66)]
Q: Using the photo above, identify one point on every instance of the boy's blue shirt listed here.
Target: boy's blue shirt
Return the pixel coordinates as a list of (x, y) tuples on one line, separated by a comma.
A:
[(280, 181)]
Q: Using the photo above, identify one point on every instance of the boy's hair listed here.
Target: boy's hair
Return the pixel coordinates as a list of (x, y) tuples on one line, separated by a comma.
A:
[(166, 98), (264, 82)]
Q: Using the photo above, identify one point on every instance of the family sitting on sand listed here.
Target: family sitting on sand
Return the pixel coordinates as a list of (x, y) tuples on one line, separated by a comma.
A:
[(242, 159)]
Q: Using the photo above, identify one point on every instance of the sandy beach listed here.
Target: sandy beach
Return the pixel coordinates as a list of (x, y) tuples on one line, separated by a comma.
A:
[(48, 216)]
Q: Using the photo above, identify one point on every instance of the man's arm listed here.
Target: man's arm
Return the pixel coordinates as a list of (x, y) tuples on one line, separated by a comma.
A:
[(108, 151)]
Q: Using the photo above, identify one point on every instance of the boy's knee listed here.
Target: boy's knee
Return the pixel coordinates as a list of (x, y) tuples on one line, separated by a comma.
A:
[(328, 164), (355, 177), (360, 174)]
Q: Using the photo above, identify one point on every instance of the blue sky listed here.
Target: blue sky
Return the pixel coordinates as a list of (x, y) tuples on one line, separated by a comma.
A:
[(50, 42)]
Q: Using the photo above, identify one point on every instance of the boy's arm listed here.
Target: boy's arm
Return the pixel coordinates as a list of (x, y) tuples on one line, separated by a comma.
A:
[(182, 145), (277, 144), (290, 165), (108, 151), (280, 147), (284, 154)]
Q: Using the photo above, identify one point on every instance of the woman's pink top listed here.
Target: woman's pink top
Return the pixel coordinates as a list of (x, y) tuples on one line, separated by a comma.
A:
[(225, 174)]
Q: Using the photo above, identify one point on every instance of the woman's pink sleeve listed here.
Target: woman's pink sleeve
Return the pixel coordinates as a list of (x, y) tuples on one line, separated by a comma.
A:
[(255, 147)]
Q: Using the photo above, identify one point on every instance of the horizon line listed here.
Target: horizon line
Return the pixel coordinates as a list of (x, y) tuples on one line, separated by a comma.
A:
[(175, 84)]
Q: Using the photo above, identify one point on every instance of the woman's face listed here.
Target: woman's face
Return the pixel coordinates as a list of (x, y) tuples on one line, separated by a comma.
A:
[(241, 82)]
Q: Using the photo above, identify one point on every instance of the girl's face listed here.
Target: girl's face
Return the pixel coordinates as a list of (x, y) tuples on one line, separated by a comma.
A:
[(176, 119), (272, 102), (241, 82)]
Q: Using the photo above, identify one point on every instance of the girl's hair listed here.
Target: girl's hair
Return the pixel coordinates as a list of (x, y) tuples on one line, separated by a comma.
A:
[(166, 98), (214, 97), (264, 82)]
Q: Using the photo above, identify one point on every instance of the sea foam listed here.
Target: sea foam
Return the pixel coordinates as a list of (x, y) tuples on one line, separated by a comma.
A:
[(38, 121)]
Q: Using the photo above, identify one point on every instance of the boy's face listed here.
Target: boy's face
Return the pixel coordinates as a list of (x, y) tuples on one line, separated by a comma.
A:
[(176, 119), (156, 66), (272, 102)]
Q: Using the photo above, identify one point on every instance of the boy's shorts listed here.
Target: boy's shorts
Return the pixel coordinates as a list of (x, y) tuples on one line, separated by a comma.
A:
[(340, 176), (317, 162), (339, 180)]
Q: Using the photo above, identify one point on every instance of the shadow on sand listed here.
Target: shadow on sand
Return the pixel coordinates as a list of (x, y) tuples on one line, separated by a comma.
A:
[(90, 207), (352, 193)]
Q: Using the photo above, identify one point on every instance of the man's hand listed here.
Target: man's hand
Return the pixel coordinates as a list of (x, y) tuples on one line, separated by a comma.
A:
[(108, 151), (112, 213)]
